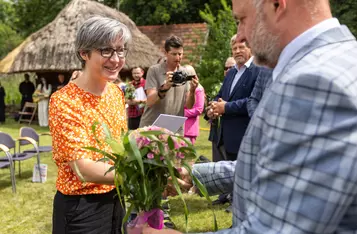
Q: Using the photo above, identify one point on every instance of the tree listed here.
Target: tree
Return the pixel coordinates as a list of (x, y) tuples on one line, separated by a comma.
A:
[(7, 12), (34, 14), (346, 12), (217, 49), (154, 12), (9, 39), (31, 15)]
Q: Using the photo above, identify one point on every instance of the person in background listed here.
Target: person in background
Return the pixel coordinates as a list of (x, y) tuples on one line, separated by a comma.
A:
[(218, 152), (136, 107), (2, 104), (163, 96), (192, 124), (230, 103), (86, 200), (26, 88), (230, 63), (61, 82), (43, 92)]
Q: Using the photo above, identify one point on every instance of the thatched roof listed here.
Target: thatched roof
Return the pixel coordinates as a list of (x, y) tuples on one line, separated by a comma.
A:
[(52, 47)]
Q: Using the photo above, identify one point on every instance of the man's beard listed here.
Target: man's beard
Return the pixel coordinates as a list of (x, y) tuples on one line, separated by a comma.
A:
[(240, 60), (264, 44)]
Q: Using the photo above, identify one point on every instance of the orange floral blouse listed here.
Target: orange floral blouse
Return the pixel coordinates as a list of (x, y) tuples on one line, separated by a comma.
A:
[(72, 113)]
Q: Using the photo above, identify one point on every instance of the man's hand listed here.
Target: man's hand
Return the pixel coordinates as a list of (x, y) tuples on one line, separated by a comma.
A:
[(185, 183), (168, 82), (210, 110), (219, 107)]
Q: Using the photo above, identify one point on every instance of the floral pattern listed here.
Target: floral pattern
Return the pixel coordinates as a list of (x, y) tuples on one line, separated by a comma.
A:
[(72, 113)]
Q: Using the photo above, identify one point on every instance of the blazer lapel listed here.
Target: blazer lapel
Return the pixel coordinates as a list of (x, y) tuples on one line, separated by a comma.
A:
[(246, 75), (227, 90)]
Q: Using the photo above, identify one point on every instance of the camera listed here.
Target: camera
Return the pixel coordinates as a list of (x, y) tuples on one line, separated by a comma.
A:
[(180, 77)]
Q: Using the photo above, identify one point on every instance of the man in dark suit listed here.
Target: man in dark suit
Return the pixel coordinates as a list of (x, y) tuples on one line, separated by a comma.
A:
[(26, 88), (230, 104)]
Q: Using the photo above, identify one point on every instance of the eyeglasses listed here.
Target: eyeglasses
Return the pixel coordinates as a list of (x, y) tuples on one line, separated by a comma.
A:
[(109, 52), (227, 68)]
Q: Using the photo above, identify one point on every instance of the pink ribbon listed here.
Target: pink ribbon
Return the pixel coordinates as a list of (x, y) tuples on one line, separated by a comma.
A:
[(154, 217)]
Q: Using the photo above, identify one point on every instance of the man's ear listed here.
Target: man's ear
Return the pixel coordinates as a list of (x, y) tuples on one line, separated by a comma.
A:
[(279, 7)]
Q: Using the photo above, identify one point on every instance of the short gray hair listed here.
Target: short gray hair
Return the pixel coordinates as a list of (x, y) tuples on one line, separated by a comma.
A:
[(98, 32)]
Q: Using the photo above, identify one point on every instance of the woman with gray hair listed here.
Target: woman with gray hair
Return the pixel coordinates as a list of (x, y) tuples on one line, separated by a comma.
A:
[(86, 200)]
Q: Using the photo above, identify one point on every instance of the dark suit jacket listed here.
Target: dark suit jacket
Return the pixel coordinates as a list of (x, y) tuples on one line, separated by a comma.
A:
[(263, 82), (235, 120)]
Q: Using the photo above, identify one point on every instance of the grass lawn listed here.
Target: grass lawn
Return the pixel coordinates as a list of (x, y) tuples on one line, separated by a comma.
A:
[(30, 209)]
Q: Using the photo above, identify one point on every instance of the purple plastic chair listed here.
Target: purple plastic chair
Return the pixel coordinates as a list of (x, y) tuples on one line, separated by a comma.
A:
[(8, 163), (6, 139), (31, 133)]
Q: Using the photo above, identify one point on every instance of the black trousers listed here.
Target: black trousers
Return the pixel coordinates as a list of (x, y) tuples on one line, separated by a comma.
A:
[(231, 156), (133, 123), (25, 99), (87, 214)]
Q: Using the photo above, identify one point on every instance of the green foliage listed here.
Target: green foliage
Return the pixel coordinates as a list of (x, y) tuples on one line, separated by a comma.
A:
[(9, 39), (11, 85), (214, 54), (346, 12), (166, 11), (34, 14), (7, 12), (31, 15)]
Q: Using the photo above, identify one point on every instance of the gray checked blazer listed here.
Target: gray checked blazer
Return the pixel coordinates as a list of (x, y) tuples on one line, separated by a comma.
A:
[(296, 170)]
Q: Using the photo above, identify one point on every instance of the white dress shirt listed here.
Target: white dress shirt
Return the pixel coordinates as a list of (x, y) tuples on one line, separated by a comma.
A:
[(240, 72), (304, 39)]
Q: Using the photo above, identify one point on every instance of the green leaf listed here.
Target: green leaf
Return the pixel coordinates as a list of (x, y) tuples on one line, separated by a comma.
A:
[(94, 131), (150, 133), (126, 217), (177, 187), (153, 162), (101, 152), (110, 169), (105, 159), (136, 153), (171, 143), (203, 191), (106, 130), (144, 151), (184, 149), (118, 148)]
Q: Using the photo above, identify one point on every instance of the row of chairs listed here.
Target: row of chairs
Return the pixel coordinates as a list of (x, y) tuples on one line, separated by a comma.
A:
[(28, 136)]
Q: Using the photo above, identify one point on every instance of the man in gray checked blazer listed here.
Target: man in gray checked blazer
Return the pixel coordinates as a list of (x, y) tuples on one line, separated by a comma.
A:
[(296, 168)]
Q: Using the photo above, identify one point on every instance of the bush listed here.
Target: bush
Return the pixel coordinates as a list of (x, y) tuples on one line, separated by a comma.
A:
[(217, 49)]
